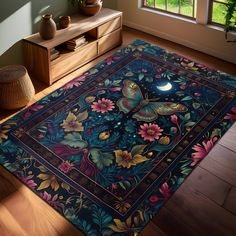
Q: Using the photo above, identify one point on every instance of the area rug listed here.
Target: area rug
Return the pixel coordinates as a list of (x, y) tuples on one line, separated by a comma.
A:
[(109, 148)]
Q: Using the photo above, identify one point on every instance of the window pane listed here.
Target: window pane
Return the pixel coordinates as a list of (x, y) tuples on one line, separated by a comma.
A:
[(149, 3), (179, 7), (186, 7), (218, 13), (173, 6), (161, 4)]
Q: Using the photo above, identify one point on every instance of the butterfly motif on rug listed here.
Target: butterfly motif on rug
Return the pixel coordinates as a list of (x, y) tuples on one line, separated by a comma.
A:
[(144, 109)]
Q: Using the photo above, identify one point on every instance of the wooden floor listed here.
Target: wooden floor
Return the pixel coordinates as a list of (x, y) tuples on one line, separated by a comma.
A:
[(205, 204)]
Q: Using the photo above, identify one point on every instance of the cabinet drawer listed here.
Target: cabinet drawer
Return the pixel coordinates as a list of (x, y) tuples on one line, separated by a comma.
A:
[(109, 41), (109, 27), (72, 60)]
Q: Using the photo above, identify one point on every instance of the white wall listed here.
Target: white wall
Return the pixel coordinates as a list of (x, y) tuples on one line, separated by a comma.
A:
[(201, 37)]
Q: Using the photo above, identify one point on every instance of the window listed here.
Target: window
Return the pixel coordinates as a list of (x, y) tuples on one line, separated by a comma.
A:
[(186, 8), (217, 11)]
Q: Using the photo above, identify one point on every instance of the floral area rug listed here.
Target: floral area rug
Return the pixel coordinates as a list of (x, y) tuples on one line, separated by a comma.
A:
[(110, 147)]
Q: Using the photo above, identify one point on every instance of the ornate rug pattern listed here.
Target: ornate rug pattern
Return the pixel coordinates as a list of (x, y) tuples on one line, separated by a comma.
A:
[(110, 147)]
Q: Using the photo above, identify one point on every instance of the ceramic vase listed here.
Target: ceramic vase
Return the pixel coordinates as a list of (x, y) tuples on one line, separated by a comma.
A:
[(47, 27), (64, 21)]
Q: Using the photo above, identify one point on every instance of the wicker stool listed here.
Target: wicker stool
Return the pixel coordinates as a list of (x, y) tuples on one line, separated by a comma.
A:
[(16, 88)]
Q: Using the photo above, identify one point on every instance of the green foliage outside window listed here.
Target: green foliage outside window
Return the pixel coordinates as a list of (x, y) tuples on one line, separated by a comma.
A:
[(181, 7), (230, 18)]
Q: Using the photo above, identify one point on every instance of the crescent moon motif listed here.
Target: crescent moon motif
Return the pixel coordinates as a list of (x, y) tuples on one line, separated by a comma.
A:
[(166, 87)]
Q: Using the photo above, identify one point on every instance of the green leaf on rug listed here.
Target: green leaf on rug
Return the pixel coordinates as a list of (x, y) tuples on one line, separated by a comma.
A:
[(216, 132), (138, 149), (74, 140), (190, 124), (187, 98), (82, 116), (101, 159), (196, 105)]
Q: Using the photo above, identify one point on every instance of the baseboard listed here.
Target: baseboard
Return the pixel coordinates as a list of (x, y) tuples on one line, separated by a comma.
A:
[(196, 46)]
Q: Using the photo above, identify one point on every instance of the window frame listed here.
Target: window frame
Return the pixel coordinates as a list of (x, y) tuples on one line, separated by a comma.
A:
[(170, 12), (210, 13)]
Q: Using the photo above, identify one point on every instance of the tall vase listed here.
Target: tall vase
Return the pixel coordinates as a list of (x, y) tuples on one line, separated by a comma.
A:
[(48, 27)]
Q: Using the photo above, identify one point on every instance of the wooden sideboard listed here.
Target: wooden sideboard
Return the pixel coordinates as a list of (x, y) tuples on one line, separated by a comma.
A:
[(102, 31)]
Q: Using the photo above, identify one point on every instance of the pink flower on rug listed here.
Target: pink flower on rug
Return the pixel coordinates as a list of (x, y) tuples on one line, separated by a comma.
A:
[(197, 94), (115, 89), (35, 107), (174, 130), (103, 105), (28, 181), (174, 119), (114, 186), (52, 200), (153, 199), (46, 196), (110, 60), (165, 190), (31, 109), (202, 150), (183, 87), (144, 70), (150, 132), (75, 82), (230, 116), (157, 76), (65, 166)]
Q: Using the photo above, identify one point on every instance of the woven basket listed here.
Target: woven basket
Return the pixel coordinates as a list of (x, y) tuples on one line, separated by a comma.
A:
[(16, 88)]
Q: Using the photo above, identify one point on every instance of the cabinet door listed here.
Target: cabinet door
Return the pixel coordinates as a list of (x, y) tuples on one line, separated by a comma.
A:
[(37, 61), (70, 61), (109, 27), (109, 41)]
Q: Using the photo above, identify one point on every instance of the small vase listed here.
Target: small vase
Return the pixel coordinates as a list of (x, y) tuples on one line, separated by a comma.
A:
[(48, 27), (64, 21)]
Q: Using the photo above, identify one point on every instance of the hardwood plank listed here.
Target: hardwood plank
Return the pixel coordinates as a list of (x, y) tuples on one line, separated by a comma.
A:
[(197, 211), (8, 224), (35, 217), (229, 139), (230, 203), (200, 180), (152, 229), (223, 156), (172, 225), (6, 188), (216, 168)]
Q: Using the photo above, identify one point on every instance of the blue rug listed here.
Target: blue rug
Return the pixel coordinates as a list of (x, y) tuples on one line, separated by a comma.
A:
[(109, 148)]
